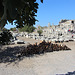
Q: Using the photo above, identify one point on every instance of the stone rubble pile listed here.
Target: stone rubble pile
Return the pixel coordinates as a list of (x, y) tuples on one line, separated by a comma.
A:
[(42, 48), (15, 40), (48, 37)]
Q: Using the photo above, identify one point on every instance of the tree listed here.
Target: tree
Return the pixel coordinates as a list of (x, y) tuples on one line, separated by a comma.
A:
[(5, 37), (27, 28), (40, 27), (39, 32), (22, 11), (13, 29)]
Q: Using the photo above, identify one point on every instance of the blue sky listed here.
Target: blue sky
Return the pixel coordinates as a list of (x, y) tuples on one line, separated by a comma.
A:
[(53, 11)]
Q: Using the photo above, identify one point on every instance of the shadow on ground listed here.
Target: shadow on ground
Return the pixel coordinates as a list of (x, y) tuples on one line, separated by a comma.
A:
[(12, 54), (69, 73)]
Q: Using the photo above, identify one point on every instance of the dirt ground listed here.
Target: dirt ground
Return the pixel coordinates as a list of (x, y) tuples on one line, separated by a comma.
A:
[(31, 41), (53, 63)]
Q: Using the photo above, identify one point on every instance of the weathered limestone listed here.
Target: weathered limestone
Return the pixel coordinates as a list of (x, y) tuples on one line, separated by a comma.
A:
[(61, 32)]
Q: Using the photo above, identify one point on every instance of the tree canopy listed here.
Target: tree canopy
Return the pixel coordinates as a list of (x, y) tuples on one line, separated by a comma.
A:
[(40, 31), (27, 28), (13, 29), (23, 11)]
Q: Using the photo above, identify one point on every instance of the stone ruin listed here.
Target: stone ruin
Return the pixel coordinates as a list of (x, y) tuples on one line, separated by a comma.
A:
[(63, 32)]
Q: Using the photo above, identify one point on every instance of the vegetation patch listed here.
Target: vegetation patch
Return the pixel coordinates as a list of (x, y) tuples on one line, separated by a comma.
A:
[(5, 37)]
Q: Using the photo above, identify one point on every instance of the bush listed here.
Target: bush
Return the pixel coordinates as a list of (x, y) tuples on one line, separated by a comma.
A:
[(13, 29), (28, 29), (5, 37), (39, 32)]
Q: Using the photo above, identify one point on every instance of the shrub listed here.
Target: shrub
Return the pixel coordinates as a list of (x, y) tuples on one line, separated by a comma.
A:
[(39, 32), (13, 29), (28, 29), (5, 37)]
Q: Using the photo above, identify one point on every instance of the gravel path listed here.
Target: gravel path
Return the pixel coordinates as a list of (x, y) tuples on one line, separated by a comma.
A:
[(54, 63)]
